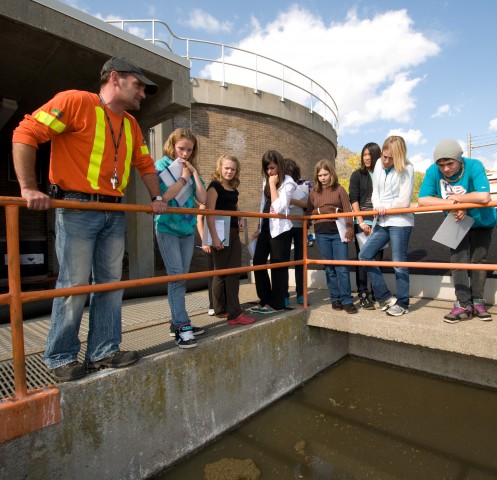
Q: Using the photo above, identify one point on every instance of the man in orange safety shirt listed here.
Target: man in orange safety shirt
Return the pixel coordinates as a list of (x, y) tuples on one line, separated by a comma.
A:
[(95, 141)]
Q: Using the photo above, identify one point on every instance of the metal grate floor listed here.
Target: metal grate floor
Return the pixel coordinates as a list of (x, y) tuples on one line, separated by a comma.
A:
[(145, 329)]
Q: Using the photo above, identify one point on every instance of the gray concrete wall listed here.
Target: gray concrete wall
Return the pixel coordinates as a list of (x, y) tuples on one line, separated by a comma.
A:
[(141, 419), (209, 92), (455, 366)]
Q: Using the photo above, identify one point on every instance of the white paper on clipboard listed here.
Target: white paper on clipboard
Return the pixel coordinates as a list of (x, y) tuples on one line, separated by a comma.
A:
[(251, 247), (222, 226), (171, 175), (450, 232), (362, 238), (342, 227)]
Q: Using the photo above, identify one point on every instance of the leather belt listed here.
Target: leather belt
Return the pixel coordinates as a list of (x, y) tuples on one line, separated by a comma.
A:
[(90, 197)]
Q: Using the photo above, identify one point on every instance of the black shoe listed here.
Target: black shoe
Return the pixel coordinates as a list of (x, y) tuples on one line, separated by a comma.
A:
[(350, 308), (336, 305), (116, 360), (365, 302), (69, 372)]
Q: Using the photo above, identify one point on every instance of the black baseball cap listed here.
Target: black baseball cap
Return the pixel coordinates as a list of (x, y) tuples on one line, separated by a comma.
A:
[(124, 65)]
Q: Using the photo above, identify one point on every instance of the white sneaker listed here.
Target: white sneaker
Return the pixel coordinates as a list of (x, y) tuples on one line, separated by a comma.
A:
[(184, 337), (397, 311), (386, 304), (211, 312)]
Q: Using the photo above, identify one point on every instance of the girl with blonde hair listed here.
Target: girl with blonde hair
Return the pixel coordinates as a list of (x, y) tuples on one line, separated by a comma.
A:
[(393, 183), (222, 194), (175, 232)]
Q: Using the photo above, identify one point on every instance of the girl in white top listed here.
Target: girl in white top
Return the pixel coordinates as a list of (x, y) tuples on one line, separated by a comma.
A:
[(393, 183), (274, 236)]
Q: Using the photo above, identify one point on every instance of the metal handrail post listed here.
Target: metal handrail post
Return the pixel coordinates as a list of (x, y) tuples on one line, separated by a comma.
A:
[(304, 257), (256, 89), (223, 84), (311, 110), (16, 321)]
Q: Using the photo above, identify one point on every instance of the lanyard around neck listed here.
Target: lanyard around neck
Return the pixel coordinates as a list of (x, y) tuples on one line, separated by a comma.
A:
[(115, 178)]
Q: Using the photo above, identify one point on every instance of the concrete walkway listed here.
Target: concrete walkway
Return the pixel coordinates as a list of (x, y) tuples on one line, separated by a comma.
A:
[(146, 329)]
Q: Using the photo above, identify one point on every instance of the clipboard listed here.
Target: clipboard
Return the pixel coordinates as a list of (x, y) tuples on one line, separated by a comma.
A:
[(170, 176), (222, 225), (342, 227), (251, 247), (450, 232), (362, 238)]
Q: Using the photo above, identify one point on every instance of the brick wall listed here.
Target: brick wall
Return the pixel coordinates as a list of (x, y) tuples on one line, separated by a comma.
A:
[(248, 135)]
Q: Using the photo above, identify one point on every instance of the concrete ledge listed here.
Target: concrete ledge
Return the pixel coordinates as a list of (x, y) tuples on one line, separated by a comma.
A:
[(423, 327), (464, 368), (419, 340), (134, 422)]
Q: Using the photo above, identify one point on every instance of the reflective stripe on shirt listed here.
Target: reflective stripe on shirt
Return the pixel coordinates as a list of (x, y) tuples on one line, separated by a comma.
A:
[(50, 121), (98, 148)]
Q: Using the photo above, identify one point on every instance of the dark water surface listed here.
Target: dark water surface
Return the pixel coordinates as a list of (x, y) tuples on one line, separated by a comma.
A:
[(363, 420)]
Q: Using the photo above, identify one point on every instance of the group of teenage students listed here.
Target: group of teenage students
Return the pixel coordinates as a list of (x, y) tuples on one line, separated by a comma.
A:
[(378, 185), (384, 181)]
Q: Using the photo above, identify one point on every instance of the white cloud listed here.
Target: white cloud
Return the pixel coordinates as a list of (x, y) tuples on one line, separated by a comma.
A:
[(411, 136), (493, 124), (420, 162), (366, 64), (442, 111), (201, 20)]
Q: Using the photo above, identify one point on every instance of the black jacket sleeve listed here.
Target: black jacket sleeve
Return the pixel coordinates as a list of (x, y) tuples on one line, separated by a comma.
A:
[(354, 187)]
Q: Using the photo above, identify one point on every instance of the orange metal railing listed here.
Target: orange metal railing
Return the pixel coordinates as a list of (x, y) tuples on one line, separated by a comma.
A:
[(13, 419)]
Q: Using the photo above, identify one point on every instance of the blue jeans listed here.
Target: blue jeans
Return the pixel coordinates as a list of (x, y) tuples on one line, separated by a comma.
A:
[(399, 240), (177, 255), (337, 277), (88, 243)]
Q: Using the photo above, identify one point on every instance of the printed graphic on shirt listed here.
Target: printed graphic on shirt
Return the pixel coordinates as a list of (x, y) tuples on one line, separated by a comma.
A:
[(57, 113), (447, 189)]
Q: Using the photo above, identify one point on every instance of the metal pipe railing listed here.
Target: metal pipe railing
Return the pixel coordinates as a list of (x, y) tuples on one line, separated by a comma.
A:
[(315, 93), (15, 297), (15, 300)]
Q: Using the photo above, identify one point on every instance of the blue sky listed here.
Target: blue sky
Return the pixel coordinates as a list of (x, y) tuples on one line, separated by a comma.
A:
[(421, 69)]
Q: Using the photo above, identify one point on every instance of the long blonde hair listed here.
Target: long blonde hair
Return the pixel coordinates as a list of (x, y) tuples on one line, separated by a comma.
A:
[(175, 137), (398, 150), (217, 176)]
